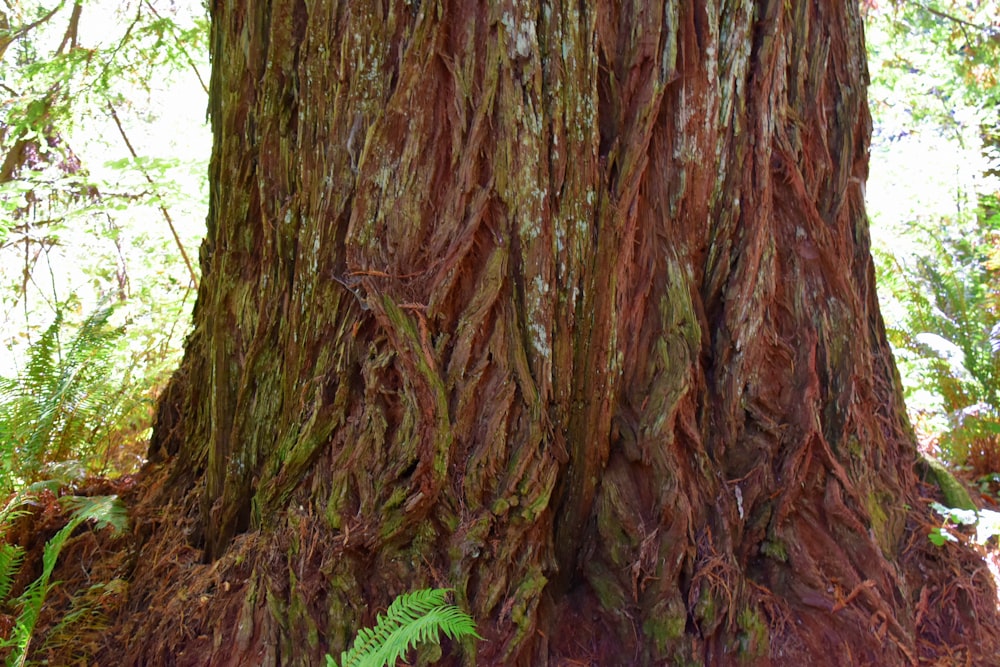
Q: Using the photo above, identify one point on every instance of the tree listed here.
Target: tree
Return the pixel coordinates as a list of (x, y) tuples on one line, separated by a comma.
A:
[(566, 306)]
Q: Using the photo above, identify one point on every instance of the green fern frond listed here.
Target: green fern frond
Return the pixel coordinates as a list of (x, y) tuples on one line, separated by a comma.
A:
[(103, 510), (11, 557), (61, 400), (40, 375), (13, 509), (949, 338), (412, 619)]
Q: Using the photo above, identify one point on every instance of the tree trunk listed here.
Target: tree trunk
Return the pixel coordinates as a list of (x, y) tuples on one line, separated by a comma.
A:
[(566, 306)]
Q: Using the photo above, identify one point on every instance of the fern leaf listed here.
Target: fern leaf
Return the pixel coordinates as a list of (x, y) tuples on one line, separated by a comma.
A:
[(11, 557), (412, 619), (43, 356), (13, 510), (62, 400), (101, 509)]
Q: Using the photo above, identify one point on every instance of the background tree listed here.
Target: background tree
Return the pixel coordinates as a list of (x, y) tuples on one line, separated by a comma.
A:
[(569, 308)]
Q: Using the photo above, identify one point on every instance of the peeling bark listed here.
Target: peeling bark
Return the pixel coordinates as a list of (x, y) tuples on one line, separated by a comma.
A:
[(568, 307)]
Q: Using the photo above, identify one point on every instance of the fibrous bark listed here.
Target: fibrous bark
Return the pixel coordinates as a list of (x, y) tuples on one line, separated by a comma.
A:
[(566, 306)]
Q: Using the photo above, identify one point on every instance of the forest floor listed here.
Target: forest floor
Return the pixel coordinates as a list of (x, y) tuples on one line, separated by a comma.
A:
[(88, 606)]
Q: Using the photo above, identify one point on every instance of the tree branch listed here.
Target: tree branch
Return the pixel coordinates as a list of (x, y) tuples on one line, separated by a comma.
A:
[(72, 29), (180, 46), (950, 17), (163, 209), (9, 38)]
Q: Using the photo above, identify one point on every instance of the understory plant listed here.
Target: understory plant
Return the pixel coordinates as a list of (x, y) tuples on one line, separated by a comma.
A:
[(70, 404), (933, 199), (413, 618), (986, 523), (948, 342), (21, 613), (102, 196)]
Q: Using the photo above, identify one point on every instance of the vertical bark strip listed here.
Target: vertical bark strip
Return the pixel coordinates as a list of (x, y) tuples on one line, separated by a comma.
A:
[(566, 306)]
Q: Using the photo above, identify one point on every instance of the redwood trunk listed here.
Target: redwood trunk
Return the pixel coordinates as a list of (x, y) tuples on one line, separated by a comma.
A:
[(566, 306)]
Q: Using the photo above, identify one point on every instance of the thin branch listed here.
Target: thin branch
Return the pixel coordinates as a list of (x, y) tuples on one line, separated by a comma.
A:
[(128, 34), (950, 17), (163, 209), (10, 38), (72, 29), (180, 46)]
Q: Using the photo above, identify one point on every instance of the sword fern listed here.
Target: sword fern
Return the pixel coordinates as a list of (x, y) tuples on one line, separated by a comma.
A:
[(412, 618)]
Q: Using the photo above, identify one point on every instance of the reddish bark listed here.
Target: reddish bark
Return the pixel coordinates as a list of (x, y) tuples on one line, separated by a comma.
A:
[(568, 307)]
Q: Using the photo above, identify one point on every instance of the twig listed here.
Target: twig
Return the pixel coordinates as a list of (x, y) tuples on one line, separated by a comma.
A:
[(163, 209), (180, 46), (952, 18), (8, 39)]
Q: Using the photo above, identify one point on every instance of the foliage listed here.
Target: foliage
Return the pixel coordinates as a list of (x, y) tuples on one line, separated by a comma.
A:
[(69, 407), (949, 338), (412, 618), (940, 53), (68, 71), (102, 197), (986, 522), (102, 510), (934, 93)]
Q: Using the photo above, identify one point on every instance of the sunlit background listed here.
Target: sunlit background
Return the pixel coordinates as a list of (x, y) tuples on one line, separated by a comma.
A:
[(932, 200), (103, 121)]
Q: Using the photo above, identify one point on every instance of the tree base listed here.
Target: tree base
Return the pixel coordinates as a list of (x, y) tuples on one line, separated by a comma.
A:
[(265, 602)]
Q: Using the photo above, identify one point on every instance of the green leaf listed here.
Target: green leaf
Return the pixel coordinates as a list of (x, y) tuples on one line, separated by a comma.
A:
[(412, 619), (104, 510), (939, 536)]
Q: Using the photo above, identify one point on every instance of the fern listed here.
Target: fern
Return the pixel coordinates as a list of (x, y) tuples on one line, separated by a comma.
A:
[(13, 510), (104, 511), (11, 557), (950, 337), (61, 403), (412, 618)]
